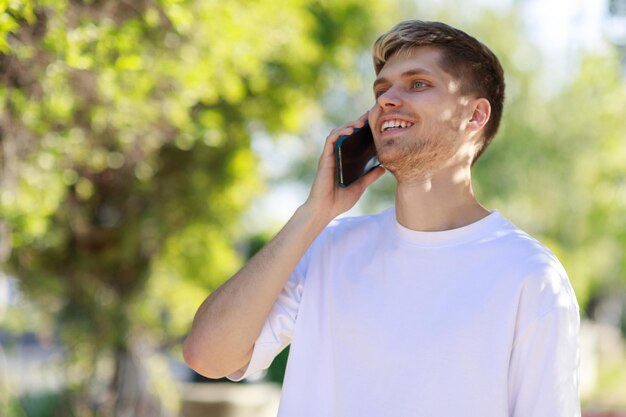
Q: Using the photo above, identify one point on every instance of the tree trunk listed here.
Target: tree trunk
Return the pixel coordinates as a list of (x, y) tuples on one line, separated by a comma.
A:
[(129, 390)]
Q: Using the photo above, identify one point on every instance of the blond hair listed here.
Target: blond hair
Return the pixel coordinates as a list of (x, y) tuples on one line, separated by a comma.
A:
[(464, 57)]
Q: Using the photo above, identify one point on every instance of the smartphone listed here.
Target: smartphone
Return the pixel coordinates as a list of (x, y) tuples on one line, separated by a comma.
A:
[(355, 155)]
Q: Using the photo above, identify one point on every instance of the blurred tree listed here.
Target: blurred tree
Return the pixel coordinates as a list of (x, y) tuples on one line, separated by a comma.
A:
[(125, 155)]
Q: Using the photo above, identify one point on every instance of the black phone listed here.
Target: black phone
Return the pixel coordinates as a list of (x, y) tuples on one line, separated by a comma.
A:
[(355, 155)]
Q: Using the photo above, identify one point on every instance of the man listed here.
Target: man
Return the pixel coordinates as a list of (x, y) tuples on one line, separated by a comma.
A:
[(437, 307)]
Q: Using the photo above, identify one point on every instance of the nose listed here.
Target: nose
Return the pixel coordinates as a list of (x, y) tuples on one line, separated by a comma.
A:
[(389, 99)]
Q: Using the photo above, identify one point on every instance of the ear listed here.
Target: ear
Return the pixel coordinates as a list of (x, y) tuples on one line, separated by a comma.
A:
[(480, 114)]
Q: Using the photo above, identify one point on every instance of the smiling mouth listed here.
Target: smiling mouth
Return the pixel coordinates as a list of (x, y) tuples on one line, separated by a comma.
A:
[(395, 125)]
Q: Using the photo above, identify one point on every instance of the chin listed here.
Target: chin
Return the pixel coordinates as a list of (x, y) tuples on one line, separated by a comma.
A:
[(398, 162), (389, 157), (410, 165), (393, 148)]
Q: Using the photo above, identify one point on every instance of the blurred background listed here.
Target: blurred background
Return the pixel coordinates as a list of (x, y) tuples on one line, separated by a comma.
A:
[(149, 147)]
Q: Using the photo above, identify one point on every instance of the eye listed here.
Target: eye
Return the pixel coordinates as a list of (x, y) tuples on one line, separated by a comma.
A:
[(418, 84)]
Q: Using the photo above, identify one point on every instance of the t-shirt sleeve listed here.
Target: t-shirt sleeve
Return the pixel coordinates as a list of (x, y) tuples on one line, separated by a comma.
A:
[(278, 327), (543, 370)]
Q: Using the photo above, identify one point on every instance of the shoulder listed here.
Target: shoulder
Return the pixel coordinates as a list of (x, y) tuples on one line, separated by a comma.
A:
[(359, 226), (345, 237), (544, 285), (522, 250), (350, 234)]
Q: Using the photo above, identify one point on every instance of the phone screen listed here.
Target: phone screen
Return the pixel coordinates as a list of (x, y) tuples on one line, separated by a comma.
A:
[(355, 155)]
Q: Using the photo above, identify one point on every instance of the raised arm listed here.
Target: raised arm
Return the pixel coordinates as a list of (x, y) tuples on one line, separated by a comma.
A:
[(229, 321)]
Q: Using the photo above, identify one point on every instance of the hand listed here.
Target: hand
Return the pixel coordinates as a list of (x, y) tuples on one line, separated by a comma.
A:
[(326, 196)]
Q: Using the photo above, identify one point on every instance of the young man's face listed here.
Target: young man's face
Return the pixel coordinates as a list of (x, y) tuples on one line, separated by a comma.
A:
[(420, 115)]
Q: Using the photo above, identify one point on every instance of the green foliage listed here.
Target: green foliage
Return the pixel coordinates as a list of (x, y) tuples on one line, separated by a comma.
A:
[(40, 405), (12, 14), (126, 157), (12, 409), (276, 372), (126, 160)]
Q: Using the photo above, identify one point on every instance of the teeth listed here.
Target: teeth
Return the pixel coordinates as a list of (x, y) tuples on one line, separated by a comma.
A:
[(391, 124)]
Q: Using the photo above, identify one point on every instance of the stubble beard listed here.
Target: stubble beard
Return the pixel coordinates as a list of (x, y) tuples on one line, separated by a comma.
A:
[(417, 159)]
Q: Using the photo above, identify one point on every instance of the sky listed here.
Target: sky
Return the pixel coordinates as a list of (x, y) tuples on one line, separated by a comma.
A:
[(562, 29)]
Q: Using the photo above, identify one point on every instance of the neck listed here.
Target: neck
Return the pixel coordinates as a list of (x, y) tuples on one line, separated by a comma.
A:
[(442, 201)]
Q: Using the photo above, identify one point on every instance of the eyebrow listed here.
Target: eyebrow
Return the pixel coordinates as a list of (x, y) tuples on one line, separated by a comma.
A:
[(405, 74)]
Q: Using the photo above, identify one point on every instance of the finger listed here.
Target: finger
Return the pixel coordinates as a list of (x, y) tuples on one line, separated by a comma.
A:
[(346, 129), (360, 121), (353, 124), (333, 137)]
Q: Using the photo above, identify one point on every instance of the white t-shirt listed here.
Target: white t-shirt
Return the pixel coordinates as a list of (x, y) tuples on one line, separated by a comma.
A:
[(385, 321)]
